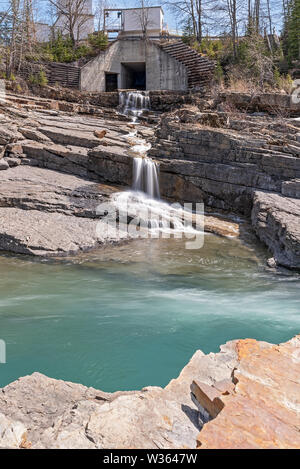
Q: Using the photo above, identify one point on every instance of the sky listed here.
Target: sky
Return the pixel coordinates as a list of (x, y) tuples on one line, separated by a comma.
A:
[(41, 8), (170, 19)]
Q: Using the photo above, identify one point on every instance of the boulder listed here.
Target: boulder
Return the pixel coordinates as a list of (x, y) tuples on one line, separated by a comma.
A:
[(276, 220), (3, 164)]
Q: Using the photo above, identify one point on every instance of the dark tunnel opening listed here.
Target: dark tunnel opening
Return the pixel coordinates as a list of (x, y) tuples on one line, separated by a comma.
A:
[(134, 75)]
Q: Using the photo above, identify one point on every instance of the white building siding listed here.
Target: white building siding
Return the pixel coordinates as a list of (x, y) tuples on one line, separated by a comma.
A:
[(134, 19)]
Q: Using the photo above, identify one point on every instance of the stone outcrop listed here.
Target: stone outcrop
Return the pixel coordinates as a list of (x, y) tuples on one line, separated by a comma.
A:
[(276, 221), (44, 212), (245, 396), (230, 162), (57, 167), (278, 104), (58, 93), (262, 408)]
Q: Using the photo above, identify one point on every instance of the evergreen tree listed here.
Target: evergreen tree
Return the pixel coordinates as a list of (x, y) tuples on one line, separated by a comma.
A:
[(291, 36)]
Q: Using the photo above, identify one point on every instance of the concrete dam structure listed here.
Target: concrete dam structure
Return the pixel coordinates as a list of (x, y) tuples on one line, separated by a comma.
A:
[(143, 64)]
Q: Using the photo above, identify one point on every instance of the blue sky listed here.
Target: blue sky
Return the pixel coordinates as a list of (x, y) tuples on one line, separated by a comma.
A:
[(41, 8)]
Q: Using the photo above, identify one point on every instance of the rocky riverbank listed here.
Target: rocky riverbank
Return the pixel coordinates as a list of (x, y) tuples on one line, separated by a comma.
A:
[(245, 396), (57, 167), (237, 162)]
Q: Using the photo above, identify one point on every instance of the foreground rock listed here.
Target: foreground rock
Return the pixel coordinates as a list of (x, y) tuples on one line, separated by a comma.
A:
[(262, 409), (245, 396)]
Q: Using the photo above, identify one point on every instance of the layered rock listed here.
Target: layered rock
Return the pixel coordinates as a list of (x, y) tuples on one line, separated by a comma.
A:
[(221, 159), (245, 396), (229, 163), (52, 189), (44, 212), (272, 103), (276, 222)]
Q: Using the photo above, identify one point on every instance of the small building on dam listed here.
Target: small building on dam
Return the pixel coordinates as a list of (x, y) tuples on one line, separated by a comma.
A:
[(144, 57)]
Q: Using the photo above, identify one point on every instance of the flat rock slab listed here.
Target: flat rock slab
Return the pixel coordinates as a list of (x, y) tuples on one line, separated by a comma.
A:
[(32, 188), (50, 234), (48, 213)]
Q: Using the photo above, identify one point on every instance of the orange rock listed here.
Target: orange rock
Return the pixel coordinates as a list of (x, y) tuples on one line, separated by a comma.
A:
[(263, 411), (208, 397), (25, 444), (246, 347), (100, 133), (221, 227)]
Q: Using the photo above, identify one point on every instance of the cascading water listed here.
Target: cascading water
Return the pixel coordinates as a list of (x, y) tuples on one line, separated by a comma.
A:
[(143, 200), (134, 103), (145, 177), (145, 170)]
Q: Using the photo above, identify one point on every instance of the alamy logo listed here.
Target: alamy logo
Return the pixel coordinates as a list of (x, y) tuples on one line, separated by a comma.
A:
[(2, 351), (136, 216), (2, 90), (296, 93)]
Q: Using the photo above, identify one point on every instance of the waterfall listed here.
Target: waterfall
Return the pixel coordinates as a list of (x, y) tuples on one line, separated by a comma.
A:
[(145, 177), (145, 171), (134, 103), (143, 200)]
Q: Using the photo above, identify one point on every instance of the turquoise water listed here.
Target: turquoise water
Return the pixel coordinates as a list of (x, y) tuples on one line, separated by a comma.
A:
[(131, 316)]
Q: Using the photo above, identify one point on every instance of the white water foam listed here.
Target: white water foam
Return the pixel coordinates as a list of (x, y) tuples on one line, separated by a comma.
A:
[(143, 202), (134, 103)]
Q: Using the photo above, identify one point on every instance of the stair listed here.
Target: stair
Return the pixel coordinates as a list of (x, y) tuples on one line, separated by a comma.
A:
[(199, 68)]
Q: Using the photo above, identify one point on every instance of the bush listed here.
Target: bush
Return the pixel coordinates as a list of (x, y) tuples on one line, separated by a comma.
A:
[(283, 82), (219, 74), (98, 40), (212, 48), (39, 79), (61, 49)]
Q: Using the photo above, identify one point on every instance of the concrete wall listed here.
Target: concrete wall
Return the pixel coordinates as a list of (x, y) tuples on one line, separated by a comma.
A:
[(162, 71)]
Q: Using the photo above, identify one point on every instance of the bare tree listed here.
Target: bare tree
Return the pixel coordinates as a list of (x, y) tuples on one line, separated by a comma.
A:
[(232, 12), (100, 6), (269, 16), (11, 49), (143, 16), (27, 30), (190, 11), (73, 14)]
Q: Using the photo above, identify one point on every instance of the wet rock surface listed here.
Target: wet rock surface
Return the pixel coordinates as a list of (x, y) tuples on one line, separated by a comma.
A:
[(245, 396)]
